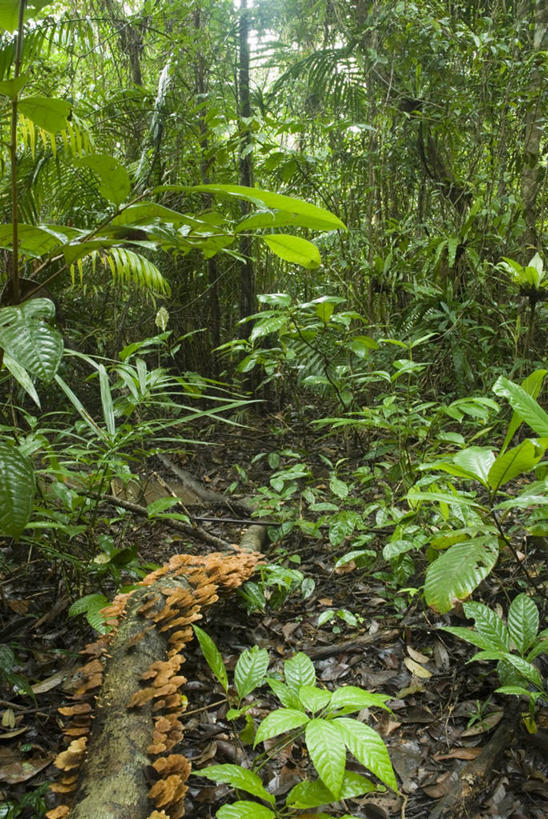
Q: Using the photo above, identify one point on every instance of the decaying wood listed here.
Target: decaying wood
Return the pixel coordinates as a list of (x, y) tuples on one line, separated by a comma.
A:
[(469, 785), (350, 646), (207, 495), (136, 713)]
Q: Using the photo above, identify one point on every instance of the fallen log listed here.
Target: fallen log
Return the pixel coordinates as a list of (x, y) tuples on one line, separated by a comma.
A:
[(118, 764)]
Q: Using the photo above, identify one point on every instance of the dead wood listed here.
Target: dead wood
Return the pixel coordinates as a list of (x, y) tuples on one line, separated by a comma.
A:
[(350, 646), (137, 710), (469, 784), (207, 495)]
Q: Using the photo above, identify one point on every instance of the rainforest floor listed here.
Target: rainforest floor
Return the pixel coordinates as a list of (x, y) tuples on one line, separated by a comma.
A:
[(444, 712)]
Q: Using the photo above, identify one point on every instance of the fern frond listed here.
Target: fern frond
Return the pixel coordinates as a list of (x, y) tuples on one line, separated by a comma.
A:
[(126, 267)]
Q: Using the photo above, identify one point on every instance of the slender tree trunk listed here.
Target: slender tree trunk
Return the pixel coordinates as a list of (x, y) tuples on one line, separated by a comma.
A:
[(533, 171), (247, 271), (214, 308)]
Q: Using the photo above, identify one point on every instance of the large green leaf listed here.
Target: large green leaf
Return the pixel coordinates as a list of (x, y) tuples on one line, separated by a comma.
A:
[(9, 12), (279, 722), (313, 794), (523, 622), (523, 404), (245, 810), (16, 490), (458, 571), (367, 746), (489, 625), (33, 240), (314, 699), (299, 670), (21, 376), (294, 249), (532, 386), (325, 220), (240, 778), (351, 698), (516, 461), (327, 750), (47, 113), (29, 340), (250, 670), (114, 182), (476, 460)]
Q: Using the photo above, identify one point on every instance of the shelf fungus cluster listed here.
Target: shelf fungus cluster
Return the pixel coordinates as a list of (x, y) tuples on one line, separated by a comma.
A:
[(124, 720)]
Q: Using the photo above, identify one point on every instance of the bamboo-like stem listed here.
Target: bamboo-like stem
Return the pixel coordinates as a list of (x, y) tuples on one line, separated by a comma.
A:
[(16, 289)]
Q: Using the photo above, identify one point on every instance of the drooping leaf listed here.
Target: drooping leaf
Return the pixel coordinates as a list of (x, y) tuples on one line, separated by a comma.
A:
[(32, 343), (325, 220), (523, 404), (514, 462), (367, 746), (47, 113), (239, 778), (294, 249), (523, 622), (327, 750), (16, 490), (250, 670), (455, 574), (532, 386), (476, 460), (114, 182), (212, 656), (22, 377)]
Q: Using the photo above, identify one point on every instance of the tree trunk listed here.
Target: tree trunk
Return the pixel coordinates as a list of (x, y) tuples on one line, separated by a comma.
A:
[(247, 271)]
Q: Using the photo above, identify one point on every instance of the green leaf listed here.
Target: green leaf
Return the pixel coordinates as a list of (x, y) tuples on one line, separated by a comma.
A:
[(455, 574), (523, 622), (338, 487), (516, 461), (294, 249), (22, 377), (368, 748), (351, 698), (313, 794), (263, 327), (314, 699), (489, 625), (16, 490), (245, 810), (239, 778), (47, 113), (325, 220), (518, 690), (10, 88), (476, 460), (326, 748), (250, 670), (526, 669), (34, 241), (532, 386), (279, 722), (361, 345), (114, 182), (469, 635), (539, 648), (524, 405), (416, 496), (299, 670), (9, 12), (212, 656), (29, 340), (287, 696)]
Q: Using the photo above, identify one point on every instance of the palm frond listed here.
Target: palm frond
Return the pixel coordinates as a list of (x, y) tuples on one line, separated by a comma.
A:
[(126, 267)]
